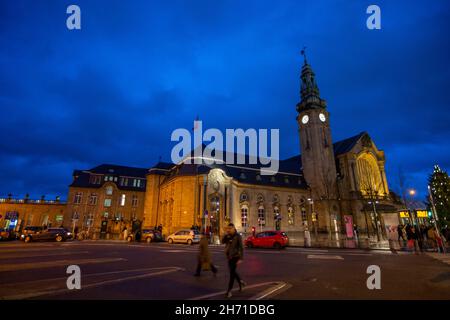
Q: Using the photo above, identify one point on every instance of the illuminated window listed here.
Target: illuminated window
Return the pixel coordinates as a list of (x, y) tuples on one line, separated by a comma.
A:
[(136, 183), (109, 190), (107, 203), (291, 216), (261, 217), (122, 200), (244, 216)]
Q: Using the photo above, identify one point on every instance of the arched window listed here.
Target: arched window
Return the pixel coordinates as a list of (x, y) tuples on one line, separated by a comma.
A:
[(244, 216), (261, 217), (109, 190), (304, 216), (370, 181), (276, 212), (291, 216)]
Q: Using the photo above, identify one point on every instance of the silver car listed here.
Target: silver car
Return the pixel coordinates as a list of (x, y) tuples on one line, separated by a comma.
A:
[(184, 236)]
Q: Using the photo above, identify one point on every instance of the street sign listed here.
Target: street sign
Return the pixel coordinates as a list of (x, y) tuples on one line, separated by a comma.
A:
[(404, 214), (422, 213)]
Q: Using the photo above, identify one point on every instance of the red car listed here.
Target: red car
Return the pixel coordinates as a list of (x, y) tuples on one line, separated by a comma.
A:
[(268, 239)]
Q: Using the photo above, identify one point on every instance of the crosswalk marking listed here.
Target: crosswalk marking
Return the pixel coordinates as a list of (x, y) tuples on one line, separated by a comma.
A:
[(324, 257), (40, 254), (151, 272), (57, 263)]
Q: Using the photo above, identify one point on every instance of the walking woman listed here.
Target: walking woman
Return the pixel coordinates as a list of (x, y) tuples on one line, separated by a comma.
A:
[(204, 257), (234, 250)]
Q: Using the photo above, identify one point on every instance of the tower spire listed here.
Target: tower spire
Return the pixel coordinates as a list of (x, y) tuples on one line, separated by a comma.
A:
[(309, 90)]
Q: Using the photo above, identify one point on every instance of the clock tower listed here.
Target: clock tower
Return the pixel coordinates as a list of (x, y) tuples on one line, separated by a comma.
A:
[(318, 163)]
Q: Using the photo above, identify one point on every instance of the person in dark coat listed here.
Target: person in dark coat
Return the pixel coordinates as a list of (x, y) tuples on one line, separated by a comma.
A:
[(234, 251), (204, 257)]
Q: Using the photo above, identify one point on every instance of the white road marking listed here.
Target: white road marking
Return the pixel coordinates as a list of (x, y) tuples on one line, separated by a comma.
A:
[(278, 285), (324, 257), (57, 263), (32, 255), (51, 292), (32, 249), (270, 292)]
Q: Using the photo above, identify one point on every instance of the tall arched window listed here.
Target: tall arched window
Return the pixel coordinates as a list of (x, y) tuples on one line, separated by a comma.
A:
[(370, 181), (291, 216), (304, 216), (244, 216), (261, 217), (277, 217)]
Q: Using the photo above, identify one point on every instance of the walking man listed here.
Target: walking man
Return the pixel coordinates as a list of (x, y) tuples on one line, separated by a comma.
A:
[(204, 257), (234, 250)]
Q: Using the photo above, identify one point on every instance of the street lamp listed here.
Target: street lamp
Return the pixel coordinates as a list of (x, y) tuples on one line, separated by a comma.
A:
[(313, 216)]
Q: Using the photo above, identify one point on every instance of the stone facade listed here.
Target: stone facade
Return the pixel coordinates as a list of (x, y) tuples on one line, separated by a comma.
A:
[(17, 214), (106, 199)]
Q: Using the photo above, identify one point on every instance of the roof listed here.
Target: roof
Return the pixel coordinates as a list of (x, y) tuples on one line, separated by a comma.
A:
[(344, 146), (82, 178), (119, 170)]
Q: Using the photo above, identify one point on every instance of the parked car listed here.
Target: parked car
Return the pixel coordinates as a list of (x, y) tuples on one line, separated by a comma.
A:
[(7, 234), (147, 235), (268, 239), (184, 236), (50, 234), (30, 230)]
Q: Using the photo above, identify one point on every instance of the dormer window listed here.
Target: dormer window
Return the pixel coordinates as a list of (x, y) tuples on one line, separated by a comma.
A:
[(258, 177), (286, 180), (273, 179), (243, 176)]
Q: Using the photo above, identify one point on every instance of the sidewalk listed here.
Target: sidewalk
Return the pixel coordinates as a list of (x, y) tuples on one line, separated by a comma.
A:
[(445, 258)]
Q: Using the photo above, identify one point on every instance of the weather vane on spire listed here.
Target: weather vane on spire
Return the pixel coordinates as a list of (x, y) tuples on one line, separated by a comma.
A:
[(303, 53)]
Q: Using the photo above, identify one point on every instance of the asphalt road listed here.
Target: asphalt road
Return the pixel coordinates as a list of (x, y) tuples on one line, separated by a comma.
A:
[(118, 270)]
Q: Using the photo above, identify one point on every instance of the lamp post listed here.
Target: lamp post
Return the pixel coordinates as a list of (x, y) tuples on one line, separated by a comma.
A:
[(412, 193), (313, 216), (373, 202)]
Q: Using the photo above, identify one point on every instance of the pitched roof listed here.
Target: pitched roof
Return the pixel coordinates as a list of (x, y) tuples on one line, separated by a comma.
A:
[(119, 170), (346, 145)]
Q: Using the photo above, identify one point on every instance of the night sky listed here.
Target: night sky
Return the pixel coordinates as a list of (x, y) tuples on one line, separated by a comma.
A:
[(114, 91)]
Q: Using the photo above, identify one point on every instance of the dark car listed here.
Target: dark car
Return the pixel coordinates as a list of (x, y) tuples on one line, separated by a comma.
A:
[(147, 235), (268, 239), (7, 234), (50, 234), (30, 231)]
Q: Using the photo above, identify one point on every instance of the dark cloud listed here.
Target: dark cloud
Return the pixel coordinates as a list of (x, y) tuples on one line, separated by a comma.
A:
[(114, 91)]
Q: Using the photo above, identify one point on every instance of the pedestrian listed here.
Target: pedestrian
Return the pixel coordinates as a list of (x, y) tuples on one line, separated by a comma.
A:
[(125, 233), (204, 257), (234, 251), (400, 233), (412, 239)]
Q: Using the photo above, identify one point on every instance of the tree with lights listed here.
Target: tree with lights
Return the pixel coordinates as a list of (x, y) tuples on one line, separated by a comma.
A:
[(439, 183)]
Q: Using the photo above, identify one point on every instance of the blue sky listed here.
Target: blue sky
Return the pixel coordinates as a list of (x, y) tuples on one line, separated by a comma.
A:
[(114, 91)]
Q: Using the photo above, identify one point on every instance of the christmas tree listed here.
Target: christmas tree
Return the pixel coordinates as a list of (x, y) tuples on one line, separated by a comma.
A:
[(439, 183)]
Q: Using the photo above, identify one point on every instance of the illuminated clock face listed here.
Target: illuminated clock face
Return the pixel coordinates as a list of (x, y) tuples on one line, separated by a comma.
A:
[(305, 119), (322, 117)]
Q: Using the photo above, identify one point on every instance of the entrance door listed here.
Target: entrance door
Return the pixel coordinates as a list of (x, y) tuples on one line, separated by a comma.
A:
[(214, 215)]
